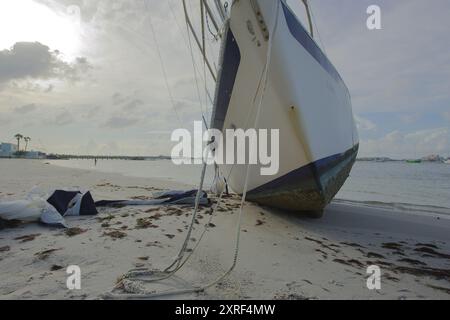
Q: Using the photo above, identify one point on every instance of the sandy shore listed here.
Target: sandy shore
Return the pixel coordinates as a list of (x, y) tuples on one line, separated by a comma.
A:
[(283, 256)]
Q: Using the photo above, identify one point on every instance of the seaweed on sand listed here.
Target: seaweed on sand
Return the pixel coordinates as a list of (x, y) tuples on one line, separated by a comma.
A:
[(115, 234), (9, 224), (43, 255), (27, 238), (72, 232)]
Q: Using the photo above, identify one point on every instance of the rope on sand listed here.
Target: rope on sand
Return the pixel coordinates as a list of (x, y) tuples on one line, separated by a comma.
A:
[(134, 290)]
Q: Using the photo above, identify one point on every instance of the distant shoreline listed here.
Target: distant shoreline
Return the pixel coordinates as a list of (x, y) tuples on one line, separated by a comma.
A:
[(156, 158)]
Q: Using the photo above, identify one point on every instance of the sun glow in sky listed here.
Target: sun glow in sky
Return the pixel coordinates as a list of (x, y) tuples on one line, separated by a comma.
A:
[(28, 21)]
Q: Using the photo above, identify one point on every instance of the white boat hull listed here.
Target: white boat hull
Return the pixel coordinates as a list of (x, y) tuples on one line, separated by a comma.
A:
[(305, 99)]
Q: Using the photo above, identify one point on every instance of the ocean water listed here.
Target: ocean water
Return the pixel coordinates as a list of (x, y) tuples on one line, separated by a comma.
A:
[(424, 186), (421, 187)]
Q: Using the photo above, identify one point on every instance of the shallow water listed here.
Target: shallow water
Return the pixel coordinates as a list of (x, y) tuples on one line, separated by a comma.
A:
[(397, 184)]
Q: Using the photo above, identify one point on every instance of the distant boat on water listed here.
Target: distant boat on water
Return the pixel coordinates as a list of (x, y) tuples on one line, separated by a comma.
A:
[(414, 161)]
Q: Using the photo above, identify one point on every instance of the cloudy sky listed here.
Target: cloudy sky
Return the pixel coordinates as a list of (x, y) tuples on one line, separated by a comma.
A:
[(84, 76)]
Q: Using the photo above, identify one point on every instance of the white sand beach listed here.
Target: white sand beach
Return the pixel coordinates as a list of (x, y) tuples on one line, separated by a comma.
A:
[(283, 256)]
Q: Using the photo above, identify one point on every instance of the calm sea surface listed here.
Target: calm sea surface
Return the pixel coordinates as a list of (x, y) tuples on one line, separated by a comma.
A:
[(423, 186)]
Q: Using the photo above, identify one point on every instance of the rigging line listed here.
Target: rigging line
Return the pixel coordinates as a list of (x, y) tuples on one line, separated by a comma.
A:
[(202, 17), (172, 10), (215, 35), (210, 17), (144, 40), (163, 68), (212, 48), (191, 51), (206, 228), (205, 60), (317, 29), (148, 295), (178, 261), (197, 74), (260, 84), (264, 81), (191, 27), (202, 10), (137, 273), (258, 116), (308, 14), (189, 46), (220, 9), (209, 13), (204, 75)]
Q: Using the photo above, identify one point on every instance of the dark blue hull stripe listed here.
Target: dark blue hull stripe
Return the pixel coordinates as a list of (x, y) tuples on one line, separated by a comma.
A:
[(303, 37), (309, 177), (230, 65)]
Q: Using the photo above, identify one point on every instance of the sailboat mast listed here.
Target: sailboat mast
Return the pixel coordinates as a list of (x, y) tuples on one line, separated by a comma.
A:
[(308, 13), (197, 40)]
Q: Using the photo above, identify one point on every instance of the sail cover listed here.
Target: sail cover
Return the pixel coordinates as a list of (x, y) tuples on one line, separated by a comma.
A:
[(73, 203), (63, 204)]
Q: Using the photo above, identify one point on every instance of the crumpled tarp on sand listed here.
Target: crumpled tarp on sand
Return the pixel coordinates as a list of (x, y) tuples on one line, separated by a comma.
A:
[(76, 203)]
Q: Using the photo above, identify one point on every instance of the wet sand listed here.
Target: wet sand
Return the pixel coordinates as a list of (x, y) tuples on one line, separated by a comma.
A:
[(282, 255)]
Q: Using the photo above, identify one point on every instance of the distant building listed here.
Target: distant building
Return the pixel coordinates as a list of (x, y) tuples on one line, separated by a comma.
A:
[(433, 158), (7, 150), (35, 155)]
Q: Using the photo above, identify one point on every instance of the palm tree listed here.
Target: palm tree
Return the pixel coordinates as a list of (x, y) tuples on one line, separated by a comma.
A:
[(18, 137), (27, 140)]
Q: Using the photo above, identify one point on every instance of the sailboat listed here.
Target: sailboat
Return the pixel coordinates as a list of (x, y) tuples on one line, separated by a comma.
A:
[(273, 75)]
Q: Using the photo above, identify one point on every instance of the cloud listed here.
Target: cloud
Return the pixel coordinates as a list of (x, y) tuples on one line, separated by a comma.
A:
[(402, 69), (404, 66), (412, 145), (410, 118), (91, 112), (117, 122), (446, 115), (61, 119), (127, 102), (25, 109), (49, 88), (364, 124), (118, 99), (33, 60), (133, 105)]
